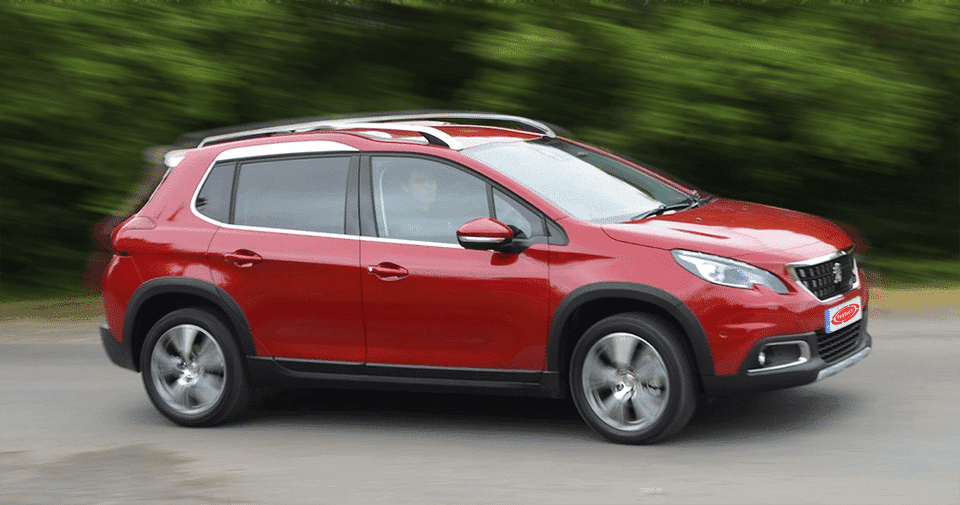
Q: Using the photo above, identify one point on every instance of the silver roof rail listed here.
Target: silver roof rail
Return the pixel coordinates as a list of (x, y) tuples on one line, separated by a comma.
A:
[(539, 127), (433, 135)]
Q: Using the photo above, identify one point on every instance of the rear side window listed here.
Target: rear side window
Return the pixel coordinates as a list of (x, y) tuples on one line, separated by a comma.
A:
[(306, 194), (214, 198)]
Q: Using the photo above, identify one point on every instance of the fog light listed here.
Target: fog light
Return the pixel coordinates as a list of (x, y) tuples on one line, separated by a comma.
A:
[(780, 355)]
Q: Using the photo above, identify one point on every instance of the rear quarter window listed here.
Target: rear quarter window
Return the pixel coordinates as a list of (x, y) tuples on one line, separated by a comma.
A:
[(214, 198)]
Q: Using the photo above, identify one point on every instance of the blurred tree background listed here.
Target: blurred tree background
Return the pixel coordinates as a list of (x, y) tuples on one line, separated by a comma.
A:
[(846, 110)]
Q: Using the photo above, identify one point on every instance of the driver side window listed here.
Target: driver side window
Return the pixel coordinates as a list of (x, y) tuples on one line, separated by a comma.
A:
[(425, 200)]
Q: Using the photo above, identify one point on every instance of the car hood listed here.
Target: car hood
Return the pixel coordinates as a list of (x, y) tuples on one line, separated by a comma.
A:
[(736, 230)]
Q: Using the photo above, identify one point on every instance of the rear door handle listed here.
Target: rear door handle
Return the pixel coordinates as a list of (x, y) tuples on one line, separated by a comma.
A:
[(243, 258), (388, 271)]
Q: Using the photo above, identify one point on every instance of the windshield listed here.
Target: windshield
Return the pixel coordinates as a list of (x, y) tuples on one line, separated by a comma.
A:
[(584, 184)]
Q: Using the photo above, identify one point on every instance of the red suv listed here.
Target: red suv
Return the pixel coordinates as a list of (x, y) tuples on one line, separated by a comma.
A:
[(468, 251)]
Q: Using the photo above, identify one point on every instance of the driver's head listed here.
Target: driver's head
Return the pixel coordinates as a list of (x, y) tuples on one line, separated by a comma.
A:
[(421, 185)]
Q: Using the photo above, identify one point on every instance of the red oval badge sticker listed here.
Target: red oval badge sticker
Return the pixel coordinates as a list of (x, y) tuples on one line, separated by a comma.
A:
[(845, 314)]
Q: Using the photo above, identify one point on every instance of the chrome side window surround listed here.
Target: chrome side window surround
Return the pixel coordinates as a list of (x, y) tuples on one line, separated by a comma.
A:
[(303, 147), (791, 269), (283, 230), (295, 149), (198, 214), (410, 242)]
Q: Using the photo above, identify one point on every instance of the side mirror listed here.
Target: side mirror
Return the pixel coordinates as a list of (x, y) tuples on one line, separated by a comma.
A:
[(484, 233)]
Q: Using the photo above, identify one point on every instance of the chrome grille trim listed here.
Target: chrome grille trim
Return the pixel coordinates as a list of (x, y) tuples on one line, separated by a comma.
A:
[(816, 276)]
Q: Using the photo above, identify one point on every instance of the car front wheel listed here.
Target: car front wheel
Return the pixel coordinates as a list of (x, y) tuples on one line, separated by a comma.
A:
[(192, 369), (631, 380)]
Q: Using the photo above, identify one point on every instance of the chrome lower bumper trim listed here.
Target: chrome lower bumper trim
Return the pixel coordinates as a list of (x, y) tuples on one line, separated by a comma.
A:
[(847, 363)]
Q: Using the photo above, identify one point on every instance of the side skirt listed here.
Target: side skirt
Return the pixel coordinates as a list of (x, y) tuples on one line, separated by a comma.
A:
[(266, 371)]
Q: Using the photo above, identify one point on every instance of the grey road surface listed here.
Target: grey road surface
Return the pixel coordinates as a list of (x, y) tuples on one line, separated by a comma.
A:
[(76, 429)]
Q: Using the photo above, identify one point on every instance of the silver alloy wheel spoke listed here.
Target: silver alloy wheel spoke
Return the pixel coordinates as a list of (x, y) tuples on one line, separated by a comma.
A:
[(184, 341), (623, 348), (615, 408), (642, 358), (164, 363), (646, 405), (188, 369), (649, 370), (625, 381), (209, 358), (602, 375), (179, 392), (206, 391)]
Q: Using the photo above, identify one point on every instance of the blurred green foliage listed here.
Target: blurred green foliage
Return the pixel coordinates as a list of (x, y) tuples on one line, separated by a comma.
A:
[(842, 110)]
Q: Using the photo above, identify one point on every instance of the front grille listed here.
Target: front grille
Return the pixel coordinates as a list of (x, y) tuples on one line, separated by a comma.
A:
[(821, 278), (837, 345)]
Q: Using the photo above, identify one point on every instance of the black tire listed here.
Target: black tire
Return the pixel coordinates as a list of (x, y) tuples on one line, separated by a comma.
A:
[(639, 386), (206, 387)]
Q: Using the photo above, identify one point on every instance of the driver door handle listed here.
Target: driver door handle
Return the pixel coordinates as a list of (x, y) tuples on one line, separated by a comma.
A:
[(388, 271)]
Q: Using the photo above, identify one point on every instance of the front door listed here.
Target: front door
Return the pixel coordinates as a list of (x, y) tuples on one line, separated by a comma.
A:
[(429, 302)]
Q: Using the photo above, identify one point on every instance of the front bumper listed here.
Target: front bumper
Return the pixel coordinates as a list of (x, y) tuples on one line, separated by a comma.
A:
[(811, 369), (118, 352)]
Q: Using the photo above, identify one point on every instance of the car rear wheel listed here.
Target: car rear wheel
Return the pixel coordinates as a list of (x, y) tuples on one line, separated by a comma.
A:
[(631, 379), (192, 369)]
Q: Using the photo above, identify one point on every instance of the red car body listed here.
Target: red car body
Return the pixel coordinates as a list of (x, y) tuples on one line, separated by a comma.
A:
[(355, 309)]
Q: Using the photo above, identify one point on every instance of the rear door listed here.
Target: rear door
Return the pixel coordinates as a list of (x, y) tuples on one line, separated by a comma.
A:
[(288, 253)]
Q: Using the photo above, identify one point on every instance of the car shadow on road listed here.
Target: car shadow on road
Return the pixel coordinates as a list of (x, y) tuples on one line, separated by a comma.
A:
[(769, 415), (719, 420)]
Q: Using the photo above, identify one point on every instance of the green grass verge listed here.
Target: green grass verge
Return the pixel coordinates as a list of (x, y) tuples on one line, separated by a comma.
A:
[(81, 307), (911, 273)]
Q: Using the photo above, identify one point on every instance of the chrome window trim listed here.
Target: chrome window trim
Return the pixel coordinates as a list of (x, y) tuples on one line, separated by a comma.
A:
[(791, 269), (804, 357), (321, 234), (301, 147), (411, 242), (286, 231), (196, 212)]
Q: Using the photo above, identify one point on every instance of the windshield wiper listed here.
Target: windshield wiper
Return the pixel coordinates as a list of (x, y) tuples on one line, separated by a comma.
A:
[(688, 203)]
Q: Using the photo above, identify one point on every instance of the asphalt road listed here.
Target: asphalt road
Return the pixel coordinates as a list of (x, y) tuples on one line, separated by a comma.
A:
[(76, 429)]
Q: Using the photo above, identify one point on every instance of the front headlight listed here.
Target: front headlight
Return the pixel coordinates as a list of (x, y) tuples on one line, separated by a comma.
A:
[(727, 272)]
